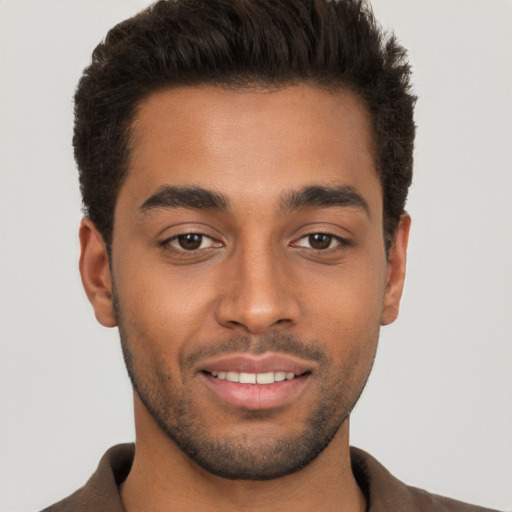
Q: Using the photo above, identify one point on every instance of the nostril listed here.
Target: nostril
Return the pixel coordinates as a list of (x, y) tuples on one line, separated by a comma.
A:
[(283, 321)]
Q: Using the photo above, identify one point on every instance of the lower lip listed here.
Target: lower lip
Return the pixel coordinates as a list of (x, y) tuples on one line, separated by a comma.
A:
[(257, 396)]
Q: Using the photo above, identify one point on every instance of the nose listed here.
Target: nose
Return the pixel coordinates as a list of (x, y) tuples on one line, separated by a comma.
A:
[(257, 295)]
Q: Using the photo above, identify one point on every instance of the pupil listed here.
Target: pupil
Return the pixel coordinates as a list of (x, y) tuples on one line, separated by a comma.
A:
[(191, 241), (320, 241)]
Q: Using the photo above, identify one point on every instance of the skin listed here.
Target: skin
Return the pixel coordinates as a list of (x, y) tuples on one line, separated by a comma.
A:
[(255, 280)]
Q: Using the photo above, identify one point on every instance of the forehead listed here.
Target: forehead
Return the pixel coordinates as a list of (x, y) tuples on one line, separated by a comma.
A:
[(248, 142)]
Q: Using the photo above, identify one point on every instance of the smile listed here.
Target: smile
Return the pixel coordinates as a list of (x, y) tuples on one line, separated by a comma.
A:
[(256, 391), (256, 382), (254, 378)]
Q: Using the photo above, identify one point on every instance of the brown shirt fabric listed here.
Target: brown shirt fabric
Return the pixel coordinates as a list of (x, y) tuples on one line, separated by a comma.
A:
[(384, 493)]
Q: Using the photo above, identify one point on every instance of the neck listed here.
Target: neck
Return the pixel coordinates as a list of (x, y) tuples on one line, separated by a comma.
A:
[(163, 478)]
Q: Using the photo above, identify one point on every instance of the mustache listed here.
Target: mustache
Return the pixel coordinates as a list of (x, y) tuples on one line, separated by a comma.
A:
[(273, 342)]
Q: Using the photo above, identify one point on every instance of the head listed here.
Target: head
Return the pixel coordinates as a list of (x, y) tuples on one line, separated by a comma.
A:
[(336, 45), (244, 168)]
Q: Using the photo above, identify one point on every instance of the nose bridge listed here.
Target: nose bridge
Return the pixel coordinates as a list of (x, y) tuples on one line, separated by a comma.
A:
[(259, 294)]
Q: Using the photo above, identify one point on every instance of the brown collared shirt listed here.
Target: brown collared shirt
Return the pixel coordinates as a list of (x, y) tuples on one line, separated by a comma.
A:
[(384, 493)]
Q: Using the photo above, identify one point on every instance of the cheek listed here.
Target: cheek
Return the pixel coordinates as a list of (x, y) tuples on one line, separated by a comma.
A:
[(165, 310), (344, 312), (348, 298), (161, 314)]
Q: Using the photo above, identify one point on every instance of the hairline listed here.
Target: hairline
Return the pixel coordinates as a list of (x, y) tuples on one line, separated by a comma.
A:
[(243, 84)]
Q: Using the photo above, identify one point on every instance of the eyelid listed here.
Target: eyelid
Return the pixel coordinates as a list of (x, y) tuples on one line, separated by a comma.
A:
[(167, 243), (168, 230), (341, 241)]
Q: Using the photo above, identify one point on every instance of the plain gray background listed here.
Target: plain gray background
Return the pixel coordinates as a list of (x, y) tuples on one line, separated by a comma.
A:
[(438, 408)]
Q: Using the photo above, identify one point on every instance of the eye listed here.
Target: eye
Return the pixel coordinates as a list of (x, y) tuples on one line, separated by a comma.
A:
[(191, 242), (320, 241)]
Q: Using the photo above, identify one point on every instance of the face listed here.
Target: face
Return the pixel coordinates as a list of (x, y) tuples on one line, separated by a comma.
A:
[(248, 274)]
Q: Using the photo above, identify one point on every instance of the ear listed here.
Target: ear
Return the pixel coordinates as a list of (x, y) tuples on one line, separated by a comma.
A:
[(95, 273), (396, 271)]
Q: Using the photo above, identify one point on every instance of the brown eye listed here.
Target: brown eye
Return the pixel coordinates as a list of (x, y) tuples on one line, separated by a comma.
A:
[(320, 241), (190, 244), (190, 241)]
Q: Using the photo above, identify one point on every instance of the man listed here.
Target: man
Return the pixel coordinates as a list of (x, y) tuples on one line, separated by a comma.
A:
[(244, 169)]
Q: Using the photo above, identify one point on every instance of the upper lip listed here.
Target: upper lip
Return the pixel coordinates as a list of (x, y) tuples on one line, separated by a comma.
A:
[(260, 363)]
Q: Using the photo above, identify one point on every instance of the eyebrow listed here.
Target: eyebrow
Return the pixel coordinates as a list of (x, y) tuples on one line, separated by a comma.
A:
[(318, 196), (197, 198)]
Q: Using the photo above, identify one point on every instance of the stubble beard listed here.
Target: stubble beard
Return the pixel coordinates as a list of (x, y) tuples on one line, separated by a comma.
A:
[(241, 456)]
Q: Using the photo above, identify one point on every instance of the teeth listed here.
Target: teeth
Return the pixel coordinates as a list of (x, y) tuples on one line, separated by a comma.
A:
[(247, 378), (265, 378), (254, 378), (232, 376)]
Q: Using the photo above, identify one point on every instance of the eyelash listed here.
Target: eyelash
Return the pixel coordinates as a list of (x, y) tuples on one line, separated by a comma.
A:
[(167, 243), (342, 243)]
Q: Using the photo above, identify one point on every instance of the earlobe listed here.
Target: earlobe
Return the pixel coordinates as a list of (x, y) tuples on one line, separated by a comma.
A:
[(396, 271), (95, 273)]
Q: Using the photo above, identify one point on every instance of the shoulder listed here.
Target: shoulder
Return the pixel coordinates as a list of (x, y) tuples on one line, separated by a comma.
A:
[(386, 493), (101, 492)]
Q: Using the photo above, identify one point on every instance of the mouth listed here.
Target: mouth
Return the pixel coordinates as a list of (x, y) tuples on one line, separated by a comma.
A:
[(265, 378), (256, 382)]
